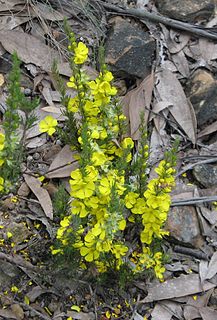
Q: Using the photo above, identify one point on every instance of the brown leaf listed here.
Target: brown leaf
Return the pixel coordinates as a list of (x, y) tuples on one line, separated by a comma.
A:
[(8, 5), (175, 41), (181, 63), (165, 310), (212, 269), (47, 12), (203, 268), (29, 48), (35, 292), (16, 308), (41, 194), (182, 286), (81, 315), (192, 307), (209, 129), (63, 164), (136, 101), (7, 314), (169, 89), (208, 313)]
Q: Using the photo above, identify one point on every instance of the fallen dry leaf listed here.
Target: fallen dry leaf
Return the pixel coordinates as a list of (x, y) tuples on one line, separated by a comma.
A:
[(170, 90), (212, 268), (7, 314), (2, 79), (8, 5), (136, 101), (208, 313), (175, 41), (193, 305), (209, 129), (47, 12), (137, 316), (81, 315), (179, 287), (181, 63), (63, 164), (29, 48), (165, 310), (41, 194)]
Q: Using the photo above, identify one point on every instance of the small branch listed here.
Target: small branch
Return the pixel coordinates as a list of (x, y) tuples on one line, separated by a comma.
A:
[(192, 201), (176, 24), (18, 260), (192, 165), (33, 310), (191, 252)]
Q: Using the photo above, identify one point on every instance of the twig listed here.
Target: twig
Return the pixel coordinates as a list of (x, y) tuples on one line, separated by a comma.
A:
[(176, 24), (18, 260), (191, 252), (191, 201), (192, 165), (41, 315)]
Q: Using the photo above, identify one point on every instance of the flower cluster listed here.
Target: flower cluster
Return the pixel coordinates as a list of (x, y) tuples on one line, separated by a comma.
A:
[(109, 190)]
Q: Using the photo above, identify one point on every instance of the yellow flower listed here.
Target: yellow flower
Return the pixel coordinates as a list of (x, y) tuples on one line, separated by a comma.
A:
[(119, 250), (104, 187), (130, 199), (14, 289), (140, 206), (127, 143), (65, 222), (107, 76), (2, 141), (159, 270), (122, 225), (92, 202), (81, 53), (98, 158), (1, 183), (1, 162), (79, 208), (89, 253), (91, 109), (48, 125), (71, 83), (56, 251), (83, 190), (73, 104), (9, 235)]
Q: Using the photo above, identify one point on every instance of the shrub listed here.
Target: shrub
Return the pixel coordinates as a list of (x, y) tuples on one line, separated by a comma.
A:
[(116, 213)]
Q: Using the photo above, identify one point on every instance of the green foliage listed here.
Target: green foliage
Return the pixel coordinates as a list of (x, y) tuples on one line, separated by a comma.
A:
[(11, 142)]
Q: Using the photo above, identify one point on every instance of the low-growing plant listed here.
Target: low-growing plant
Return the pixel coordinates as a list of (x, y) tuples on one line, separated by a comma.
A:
[(116, 212), (17, 115)]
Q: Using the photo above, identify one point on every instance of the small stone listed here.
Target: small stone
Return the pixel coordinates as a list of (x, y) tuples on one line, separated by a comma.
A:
[(201, 89), (19, 232), (7, 273), (129, 49), (18, 311), (36, 156), (27, 92), (51, 188), (206, 175), (29, 158), (187, 10), (8, 204), (23, 190), (183, 226)]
